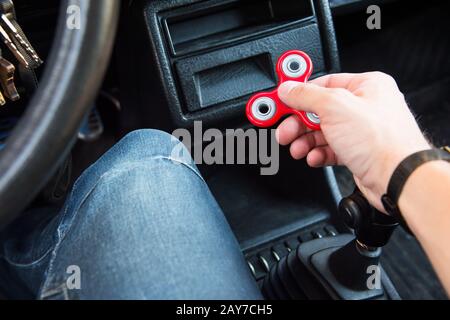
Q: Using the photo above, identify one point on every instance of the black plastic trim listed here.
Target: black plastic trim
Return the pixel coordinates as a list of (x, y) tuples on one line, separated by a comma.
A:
[(172, 83)]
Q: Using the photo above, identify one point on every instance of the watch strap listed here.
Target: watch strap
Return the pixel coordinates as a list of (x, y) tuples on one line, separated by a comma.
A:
[(401, 175)]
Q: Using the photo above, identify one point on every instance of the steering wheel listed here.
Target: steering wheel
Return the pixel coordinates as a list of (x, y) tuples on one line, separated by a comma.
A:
[(47, 131)]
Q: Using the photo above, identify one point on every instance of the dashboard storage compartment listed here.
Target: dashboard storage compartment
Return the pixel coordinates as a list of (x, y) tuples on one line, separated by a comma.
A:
[(242, 69), (241, 78), (200, 27), (212, 55)]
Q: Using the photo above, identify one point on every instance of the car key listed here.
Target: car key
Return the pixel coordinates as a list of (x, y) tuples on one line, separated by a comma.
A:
[(11, 46), (7, 82), (2, 99), (266, 109), (17, 35), (14, 37)]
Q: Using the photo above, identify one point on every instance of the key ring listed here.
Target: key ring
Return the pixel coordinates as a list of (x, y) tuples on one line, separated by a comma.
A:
[(266, 109)]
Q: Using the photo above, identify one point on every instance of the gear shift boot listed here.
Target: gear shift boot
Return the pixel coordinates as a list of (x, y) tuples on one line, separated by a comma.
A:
[(321, 262), (341, 267)]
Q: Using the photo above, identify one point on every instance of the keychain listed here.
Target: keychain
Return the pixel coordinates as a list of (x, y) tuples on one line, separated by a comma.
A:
[(266, 109)]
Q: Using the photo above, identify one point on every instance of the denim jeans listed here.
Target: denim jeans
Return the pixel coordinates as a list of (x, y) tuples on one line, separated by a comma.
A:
[(141, 223)]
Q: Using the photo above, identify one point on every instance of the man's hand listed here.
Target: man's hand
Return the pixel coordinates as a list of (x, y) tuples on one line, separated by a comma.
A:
[(366, 126)]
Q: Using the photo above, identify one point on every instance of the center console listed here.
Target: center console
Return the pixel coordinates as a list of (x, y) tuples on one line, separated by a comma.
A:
[(202, 61), (213, 55)]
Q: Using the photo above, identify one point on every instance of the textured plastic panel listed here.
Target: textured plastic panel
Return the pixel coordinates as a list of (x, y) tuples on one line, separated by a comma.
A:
[(240, 78), (241, 62), (184, 78), (206, 26)]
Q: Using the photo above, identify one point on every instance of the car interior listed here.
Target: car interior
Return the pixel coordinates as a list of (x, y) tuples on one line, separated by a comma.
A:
[(177, 62)]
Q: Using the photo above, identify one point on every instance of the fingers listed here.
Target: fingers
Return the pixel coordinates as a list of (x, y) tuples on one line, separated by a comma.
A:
[(322, 157), (289, 130), (311, 145), (303, 145)]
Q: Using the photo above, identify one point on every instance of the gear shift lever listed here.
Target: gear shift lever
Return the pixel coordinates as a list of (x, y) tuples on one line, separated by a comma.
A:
[(338, 267), (373, 230)]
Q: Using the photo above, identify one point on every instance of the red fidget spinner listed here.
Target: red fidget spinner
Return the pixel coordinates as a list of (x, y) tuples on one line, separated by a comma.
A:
[(266, 109)]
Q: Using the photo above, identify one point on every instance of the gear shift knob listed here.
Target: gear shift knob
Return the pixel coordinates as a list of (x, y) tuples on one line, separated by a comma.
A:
[(372, 227)]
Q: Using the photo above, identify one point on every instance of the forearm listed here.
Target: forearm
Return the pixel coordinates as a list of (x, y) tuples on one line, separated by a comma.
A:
[(425, 204)]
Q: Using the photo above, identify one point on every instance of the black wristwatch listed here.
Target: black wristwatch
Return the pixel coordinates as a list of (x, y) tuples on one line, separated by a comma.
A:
[(401, 175)]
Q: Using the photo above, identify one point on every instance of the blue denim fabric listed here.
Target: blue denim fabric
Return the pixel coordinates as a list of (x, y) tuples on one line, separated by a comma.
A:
[(140, 224)]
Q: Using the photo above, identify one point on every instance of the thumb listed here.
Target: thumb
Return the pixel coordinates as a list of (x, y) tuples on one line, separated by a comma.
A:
[(307, 96)]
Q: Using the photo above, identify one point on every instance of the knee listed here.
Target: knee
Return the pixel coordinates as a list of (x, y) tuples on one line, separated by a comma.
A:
[(145, 145), (143, 157), (148, 138), (147, 142), (138, 168), (139, 195)]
